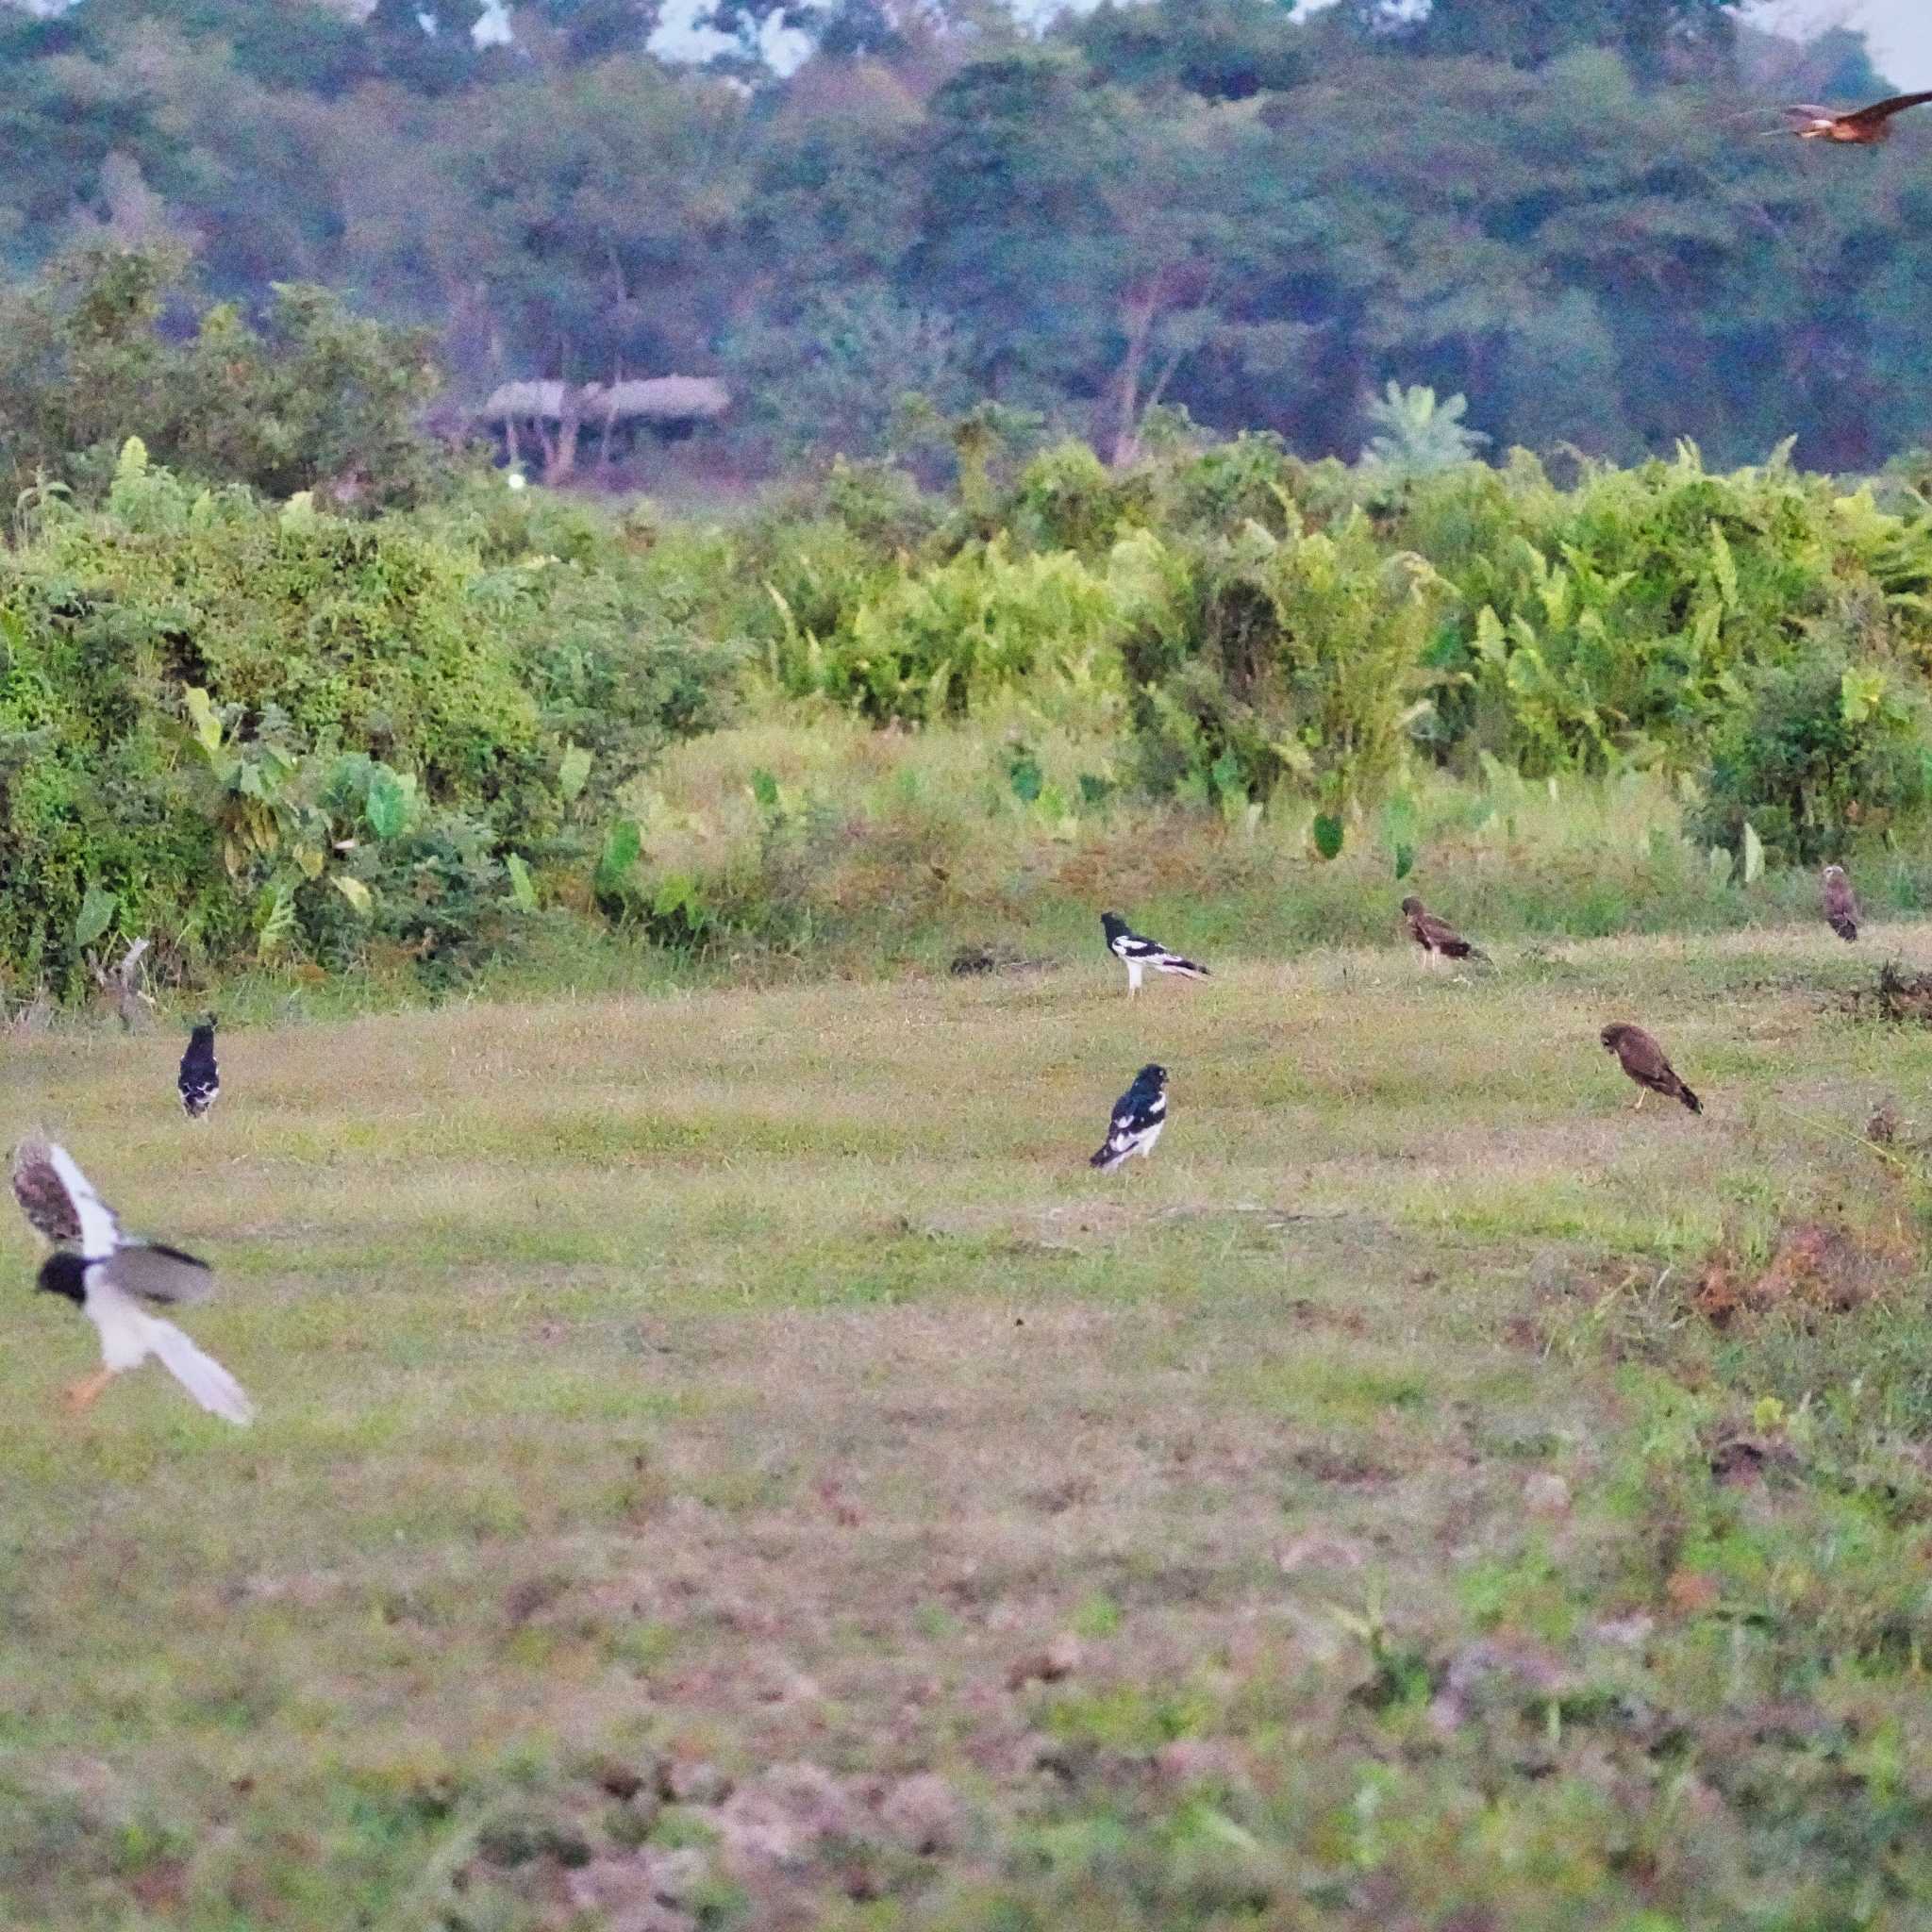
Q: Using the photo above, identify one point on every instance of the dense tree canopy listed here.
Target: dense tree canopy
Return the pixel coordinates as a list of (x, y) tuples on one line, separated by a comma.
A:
[(1565, 211)]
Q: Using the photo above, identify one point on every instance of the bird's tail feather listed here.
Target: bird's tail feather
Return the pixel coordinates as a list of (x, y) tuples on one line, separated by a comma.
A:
[(1172, 962), (202, 1377), (1108, 1156)]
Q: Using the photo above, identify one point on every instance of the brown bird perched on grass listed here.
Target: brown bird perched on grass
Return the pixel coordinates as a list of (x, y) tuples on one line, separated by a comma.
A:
[(1862, 128), (1644, 1059), (1437, 939), (1840, 903)]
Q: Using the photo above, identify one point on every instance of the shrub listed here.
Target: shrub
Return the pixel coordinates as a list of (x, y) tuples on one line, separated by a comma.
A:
[(934, 644), (240, 728), (1259, 660), (1818, 751)]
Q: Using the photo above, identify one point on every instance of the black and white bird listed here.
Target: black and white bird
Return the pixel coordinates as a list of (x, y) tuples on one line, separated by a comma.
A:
[(1139, 1116), (108, 1275), (1137, 953), (200, 1079)]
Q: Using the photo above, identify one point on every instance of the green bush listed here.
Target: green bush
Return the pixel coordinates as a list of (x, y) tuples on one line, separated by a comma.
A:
[(1819, 752), (934, 644), (1259, 660), (249, 730)]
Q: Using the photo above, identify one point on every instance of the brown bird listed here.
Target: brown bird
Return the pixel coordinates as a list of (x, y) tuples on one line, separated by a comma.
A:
[(1644, 1059), (1840, 904), (1863, 128), (1437, 939)]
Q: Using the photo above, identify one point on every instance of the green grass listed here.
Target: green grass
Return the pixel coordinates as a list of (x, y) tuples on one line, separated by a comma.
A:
[(1339, 1519)]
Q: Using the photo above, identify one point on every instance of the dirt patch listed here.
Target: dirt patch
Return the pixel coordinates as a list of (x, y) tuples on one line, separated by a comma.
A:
[(1817, 1267)]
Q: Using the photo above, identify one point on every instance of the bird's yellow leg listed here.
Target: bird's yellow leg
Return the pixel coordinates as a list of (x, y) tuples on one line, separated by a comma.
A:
[(85, 1394), (1642, 1094)]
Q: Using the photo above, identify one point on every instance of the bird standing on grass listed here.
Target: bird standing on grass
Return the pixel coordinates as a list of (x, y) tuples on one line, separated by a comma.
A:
[(1644, 1059), (200, 1079), (1137, 953), (1437, 939), (1840, 903), (1139, 1116), (107, 1275), (1860, 128)]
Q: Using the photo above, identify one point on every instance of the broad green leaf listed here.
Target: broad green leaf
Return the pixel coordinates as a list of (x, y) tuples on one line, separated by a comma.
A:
[(764, 790), (1861, 693), (1025, 775), (623, 846), (572, 774), (358, 895), (1721, 865), (1753, 857), (200, 715), (96, 912), (521, 888), (388, 804), (132, 461), (299, 511), (1404, 861), (1328, 835), (279, 921)]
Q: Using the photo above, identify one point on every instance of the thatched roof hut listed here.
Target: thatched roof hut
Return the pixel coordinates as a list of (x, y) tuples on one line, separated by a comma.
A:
[(647, 399)]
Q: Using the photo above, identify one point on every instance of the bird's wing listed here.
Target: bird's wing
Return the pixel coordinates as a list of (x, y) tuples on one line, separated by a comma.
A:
[(202, 1377), (1881, 111), (1135, 1110), (1839, 901), (60, 1200), (1130, 946), (1644, 1058), (42, 1195), (155, 1272), (1438, 932), (100, 1232)]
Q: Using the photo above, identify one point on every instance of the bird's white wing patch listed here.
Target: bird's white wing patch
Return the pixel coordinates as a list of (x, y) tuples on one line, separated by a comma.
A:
[(100, 1233)]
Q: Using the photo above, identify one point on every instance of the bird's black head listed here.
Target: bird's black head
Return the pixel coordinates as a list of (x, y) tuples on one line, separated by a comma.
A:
[(63, 1273), (205, 1027), (1411, 904), (1152, 1076), (1112, 924), (1613, 1033)]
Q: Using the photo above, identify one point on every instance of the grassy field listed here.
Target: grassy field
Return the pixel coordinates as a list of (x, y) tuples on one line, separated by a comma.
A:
[(727, 1461)]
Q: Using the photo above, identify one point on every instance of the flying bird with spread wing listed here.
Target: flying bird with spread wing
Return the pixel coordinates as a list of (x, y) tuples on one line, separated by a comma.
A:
[(1840, 903), (1861, 128), (200, 1079), (1644, 1059), (108, 1275), (1139, 1116), (1437, 939), (1137, 953)]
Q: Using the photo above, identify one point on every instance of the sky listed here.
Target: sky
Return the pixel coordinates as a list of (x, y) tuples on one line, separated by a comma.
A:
[(1898, 31)]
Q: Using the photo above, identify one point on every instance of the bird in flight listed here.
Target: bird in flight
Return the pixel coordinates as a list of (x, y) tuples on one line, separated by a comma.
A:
[(1437, 939), (1840, 903), (1139, 1116), (1862, 128), (1644, 1059), (108, 1275), (1137, 953), (200, 1079)]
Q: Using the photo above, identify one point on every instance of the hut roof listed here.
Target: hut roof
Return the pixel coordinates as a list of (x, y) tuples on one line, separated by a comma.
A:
[(655, 399)]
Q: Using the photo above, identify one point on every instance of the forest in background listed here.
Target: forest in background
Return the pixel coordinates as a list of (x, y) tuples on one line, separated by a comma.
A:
[(1572, 216)]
